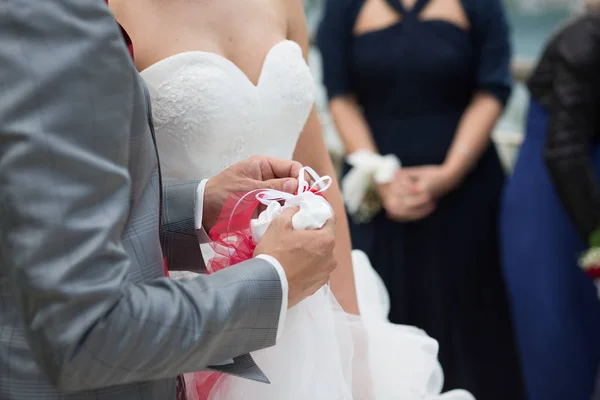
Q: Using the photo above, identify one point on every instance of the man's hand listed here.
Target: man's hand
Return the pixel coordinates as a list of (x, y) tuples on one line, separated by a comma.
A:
[(254, 173), (306, 256)]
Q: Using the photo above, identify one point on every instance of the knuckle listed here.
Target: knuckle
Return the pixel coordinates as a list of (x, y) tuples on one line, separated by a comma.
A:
[(285, 227), (330, 241), (324, 235), (285, 218), (300, 246), (287, 223), (333, 265)]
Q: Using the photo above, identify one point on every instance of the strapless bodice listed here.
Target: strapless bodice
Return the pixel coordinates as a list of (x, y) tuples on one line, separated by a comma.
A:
[(209, 115)]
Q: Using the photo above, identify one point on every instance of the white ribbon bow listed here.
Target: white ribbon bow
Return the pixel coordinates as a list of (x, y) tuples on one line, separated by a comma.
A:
[(320, 184), (314, 209), (366, 165)]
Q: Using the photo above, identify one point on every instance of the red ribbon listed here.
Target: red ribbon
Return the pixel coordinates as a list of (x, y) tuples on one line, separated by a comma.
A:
[(166, 267)]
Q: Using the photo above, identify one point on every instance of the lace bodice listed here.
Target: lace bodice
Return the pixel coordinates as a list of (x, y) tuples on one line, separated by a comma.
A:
[(208, 115)]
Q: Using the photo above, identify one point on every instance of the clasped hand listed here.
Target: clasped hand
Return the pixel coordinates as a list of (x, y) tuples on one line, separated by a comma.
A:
[(414, 193)]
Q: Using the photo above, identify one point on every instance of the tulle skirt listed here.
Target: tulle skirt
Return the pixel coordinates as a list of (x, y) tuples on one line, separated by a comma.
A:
[(325, 354)]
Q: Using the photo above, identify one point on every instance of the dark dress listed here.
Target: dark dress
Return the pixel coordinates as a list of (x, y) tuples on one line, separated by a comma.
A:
[(555, 306), (551, 205), (414, 80)]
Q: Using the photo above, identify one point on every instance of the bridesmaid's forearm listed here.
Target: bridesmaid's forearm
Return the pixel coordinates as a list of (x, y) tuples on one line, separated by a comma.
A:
[(351, 125), (473, 135)]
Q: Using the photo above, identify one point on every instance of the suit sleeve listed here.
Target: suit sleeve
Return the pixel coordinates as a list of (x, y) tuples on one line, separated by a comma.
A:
[(574, 125), (66, 107)]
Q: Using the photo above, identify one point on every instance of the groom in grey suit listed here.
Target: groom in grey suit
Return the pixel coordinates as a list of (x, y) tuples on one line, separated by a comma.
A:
[(85, 309)]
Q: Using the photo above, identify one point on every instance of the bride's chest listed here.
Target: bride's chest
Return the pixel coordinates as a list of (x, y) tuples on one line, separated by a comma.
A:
[(209, 115), (220, 98), (205, 103)]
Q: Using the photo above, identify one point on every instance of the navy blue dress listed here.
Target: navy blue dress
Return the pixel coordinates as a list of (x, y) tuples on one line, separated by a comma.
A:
[(414, 80), (556, 309)]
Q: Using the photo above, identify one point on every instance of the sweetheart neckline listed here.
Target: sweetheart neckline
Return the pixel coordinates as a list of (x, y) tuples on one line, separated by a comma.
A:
[(224, 60)]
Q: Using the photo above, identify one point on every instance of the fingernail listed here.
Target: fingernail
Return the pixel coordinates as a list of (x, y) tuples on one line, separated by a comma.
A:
[(289, 186)]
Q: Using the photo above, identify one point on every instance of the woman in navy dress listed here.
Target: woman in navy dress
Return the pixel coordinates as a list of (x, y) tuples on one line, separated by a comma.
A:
[(550, 208), (426, 80)]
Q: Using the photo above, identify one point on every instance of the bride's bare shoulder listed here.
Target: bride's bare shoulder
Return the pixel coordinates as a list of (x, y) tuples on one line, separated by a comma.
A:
[(296, 23)]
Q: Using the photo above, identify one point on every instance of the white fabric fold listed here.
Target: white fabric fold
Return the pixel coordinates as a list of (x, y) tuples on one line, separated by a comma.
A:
[(313, 214)]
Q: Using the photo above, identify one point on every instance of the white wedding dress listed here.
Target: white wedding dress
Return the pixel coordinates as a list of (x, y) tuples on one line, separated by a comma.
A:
[(208, 115)]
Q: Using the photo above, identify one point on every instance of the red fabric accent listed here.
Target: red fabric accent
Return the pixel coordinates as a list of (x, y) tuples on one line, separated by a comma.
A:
[(231, 236), (316, 191), (166, 267), (593, 271), (127, 39), (180, 389), (203, 383)]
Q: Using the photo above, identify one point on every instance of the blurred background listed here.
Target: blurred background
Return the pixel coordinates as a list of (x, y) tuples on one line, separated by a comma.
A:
[(525, 233), (532, 22)]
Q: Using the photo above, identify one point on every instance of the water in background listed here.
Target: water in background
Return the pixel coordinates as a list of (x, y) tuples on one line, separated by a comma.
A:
[(530, 31)]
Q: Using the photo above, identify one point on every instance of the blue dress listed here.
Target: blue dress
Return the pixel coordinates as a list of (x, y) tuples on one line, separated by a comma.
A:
[(555, 306), (414, 80)]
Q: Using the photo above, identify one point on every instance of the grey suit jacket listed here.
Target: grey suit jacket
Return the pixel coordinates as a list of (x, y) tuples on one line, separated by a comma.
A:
[(84, 310)]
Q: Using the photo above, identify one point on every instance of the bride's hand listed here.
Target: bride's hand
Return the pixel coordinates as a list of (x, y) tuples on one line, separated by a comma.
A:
[(254, 173)]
